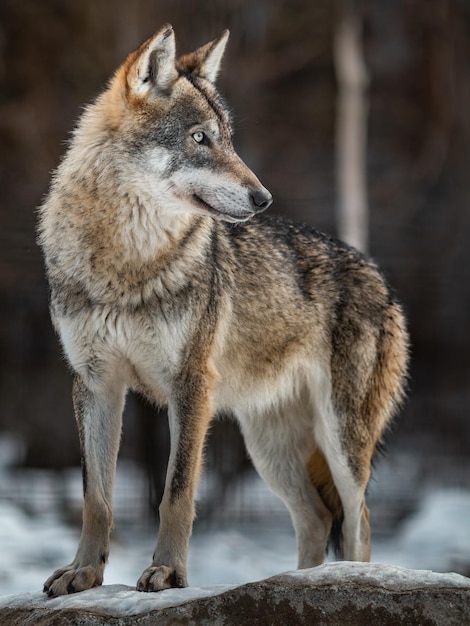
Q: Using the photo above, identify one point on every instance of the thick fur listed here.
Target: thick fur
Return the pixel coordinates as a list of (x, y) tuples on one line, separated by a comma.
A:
[(165, 278)]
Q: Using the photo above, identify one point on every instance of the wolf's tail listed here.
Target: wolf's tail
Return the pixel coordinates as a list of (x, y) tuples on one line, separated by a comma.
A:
[(322, 480)]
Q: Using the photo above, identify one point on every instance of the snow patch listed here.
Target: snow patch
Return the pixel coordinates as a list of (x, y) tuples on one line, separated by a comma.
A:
[(376, 575), (113, 599)]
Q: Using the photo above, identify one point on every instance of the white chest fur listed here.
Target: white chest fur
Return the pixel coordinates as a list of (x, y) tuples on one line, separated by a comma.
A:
[(138, 348)]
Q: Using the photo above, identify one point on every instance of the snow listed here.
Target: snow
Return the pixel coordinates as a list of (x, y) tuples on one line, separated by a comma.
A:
[(114, 599), (376, 575), (122, 600), (436, 537)]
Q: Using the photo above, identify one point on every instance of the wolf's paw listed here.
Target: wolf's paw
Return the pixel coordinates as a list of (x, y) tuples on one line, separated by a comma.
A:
[(71, 579), (156, 578)]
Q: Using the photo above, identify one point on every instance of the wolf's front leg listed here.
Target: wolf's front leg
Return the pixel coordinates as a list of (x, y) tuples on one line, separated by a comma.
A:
[(189, 417), (99, 416)]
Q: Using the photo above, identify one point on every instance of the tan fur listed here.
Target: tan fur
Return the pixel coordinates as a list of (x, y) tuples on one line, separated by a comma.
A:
[(165, 279), (320, 476)]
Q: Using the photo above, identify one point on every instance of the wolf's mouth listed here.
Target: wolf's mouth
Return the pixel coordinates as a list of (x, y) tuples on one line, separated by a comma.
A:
[(225, 216), (204, 204)]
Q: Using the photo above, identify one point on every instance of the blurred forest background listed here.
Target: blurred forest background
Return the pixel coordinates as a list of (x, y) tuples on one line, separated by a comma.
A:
[(280, 80)]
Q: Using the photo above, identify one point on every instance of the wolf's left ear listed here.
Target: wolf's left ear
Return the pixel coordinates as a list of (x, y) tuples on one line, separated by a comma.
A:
[(205, 61), (154, 64)]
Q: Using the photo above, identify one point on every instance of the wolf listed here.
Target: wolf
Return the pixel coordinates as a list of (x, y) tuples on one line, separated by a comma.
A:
[(165, 278)]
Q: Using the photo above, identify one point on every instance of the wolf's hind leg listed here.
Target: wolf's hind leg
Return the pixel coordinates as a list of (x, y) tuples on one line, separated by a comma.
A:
[(280, 449), (350, 483), (356, 528), (99, 423)]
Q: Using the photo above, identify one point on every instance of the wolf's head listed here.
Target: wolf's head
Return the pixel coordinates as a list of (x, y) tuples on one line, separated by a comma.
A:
[(168, 121)]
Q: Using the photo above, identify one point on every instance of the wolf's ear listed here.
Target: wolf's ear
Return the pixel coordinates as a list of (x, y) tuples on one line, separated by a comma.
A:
[(153, 67), (205, 61)]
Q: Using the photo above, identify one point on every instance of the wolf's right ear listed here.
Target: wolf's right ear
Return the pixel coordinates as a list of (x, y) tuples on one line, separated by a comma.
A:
[(154, 65)]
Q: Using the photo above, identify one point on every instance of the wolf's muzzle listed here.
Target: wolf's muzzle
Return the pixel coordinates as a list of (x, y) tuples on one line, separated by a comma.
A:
[(260, 199)]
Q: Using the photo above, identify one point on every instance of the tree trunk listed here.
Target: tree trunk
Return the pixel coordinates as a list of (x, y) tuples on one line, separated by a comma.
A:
[(351, 128)]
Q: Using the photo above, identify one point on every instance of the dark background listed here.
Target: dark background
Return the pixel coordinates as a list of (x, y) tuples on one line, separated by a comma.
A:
[(279, 79)]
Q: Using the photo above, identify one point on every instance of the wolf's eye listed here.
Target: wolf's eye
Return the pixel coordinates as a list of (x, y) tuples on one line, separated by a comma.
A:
[(200, 137)]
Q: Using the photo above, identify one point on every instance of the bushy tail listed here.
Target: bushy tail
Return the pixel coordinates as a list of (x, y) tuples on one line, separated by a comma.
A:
[(322, 480)]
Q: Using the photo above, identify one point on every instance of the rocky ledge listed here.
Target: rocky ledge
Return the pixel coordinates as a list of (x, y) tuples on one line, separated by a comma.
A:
[(334, 594)]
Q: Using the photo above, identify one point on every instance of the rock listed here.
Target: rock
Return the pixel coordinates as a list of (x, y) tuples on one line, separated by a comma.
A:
[(334, 594)]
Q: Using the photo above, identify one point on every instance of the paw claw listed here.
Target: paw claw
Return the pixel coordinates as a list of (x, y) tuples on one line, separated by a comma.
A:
[(72, 579), (157, 578)]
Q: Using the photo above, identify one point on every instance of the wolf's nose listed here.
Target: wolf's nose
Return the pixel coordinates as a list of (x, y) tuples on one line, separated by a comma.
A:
[(261, 199)]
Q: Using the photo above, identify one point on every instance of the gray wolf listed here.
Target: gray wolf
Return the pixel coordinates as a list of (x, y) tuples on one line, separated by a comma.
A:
[(165, 278)]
